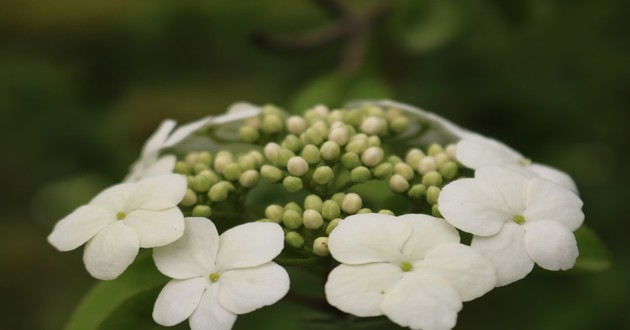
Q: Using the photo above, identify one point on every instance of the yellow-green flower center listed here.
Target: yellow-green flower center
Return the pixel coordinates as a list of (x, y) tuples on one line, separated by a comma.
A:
[(121, 215), (405, 266), (519, 219), (524, 161), (214, 277)]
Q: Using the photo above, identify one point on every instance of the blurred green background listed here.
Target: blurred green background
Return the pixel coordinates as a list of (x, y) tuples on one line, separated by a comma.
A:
[(83, 84)]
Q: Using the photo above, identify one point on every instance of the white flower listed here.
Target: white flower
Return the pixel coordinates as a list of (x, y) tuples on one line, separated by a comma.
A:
[(217, 278), (122, 219), (237, 111), (476, 151), (516, 219), (411, 269)]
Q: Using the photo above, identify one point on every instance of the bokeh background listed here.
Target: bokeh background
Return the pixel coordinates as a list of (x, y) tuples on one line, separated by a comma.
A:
[(83, 84)]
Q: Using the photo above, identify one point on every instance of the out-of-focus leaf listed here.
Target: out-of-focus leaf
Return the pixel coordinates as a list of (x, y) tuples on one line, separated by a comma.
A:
[(104, 298), (594, 255)]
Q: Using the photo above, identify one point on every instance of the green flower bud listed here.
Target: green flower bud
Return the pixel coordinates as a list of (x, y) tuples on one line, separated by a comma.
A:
[(322, 127), (232, 172), (294, 239), (441, 159), (272, 124), (375, 110), (201, 183), (340, 135), (418, 191), (399, 124), (247, 162), (435, 149), (413, 158), (249, 178), (182, 168), (388, 212), (451, 151), (384, 170), (435, 210), (297, 166), (272, 174), (336, 116), (248, 134), (296, 124), (190, 198), (200, 167), (269, 109), (222, 160), (364, 210), (332, 225), (271, 150), (373, 125), (433, 193), (292, 219), (338, 197), (394, 113), (292, 184), (202, 211), (292, 143), (350, 160), (313, 202), (405, 170), (352, 203), (191, 158), (330, 210), (323, 175), (220, 191), (312, 136), (274, 213), (448, 169), (398, 183), (210, 174), (360, 174), (354, 117), (393, 159), (293, 206), (374, 141), (311, 154), (204, 157), (432, 178), (372, 156), (312, 219), (320, 246), (189, 181), (283, 156), (257, 156), (357, 145), (330, 150), (427, 164), (313, 116)]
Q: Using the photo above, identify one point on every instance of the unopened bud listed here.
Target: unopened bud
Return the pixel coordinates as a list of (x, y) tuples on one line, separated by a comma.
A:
[(435, 210), (272, 124), (360, 174), (338, 197), (441, 159), (312, 219), (336, 116), (364, 210), (448, 170), (373, 125), (191, 158), (297, 166), (182, 168), (394, 159), (247, 162), (292, 219), (248, 134), (399, 124), (269, 109), (352, 203), (413, 158), (382, 171), (332, 225), (292, 143), (432, 178), (323, 175), (435, 149), (321, 110), (330, 210), (357, 145), (451, 151), (372, 156), (374, 141), (249, 178), (354, 117), (200, 167), (274, 213), (190, 198), (313, 202), (202, 211), (426, 165), (204, 157), (220, 191), (293, 206), (292, 183), (312, 136), (283, 156), (258, 157), (330, 150), (273, 174), (398, 183), (340, 135), (201, 183), (296, 124), (210, 174), (405, 170), (322, 127), (388, 212), (271, 150), (232, 172), (350, 160), (320, 246), (311, 154), (222, 160), (433, 193), (294, 239), (417, 191)]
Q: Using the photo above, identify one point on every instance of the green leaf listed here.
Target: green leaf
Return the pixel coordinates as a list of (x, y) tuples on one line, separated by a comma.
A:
[(594, 255), (105, 297)]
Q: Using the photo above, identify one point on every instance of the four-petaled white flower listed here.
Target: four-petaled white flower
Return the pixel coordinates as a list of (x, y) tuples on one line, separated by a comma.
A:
[(476, 151), (411, 269), (517, 219), (215, 278), (122, 219)]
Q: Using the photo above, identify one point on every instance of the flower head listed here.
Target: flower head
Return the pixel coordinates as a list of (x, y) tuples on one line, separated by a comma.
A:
[(411, 269), (517, 219), (122, 219), (216, 278)]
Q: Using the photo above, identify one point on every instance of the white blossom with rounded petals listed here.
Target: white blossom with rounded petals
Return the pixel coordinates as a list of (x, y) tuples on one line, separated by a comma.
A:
[(216, 278), (236, 112), (411, 269), (517, 219), (122, 219)]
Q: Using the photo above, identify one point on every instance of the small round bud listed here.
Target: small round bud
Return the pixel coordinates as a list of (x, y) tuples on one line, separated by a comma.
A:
[(330, 210), (435, 210), (398, 183), (373, 125), (204, 157), (321, 110), (294, 239), (332, 225), (432, 178), (433, 193), (292, 183), (222, 160), (297, 166), (388, 212), (201, 183), (232, 172), (441, 159), (271, 150), (448, 170), (312, 136), (292, 219), (292, 143), (435, 149), (247, 162), (323, 175), (338, 197), (200, 167), (336, 116), (272, 124), (382, 171), (350, 160), (269, 109), (352, 203), (257, 156), (182, 168), (405, 170), (418, 191), (312, 219), (451, 151), (372, 156), (202, 211), (399, 124), (296, 124), (311, 154), (339, 135), (274, 213), (330, 150), (189, 181), (248, 134), (320, 246), (283, 156), (394, 159), (249, 178), (272, 174), (220, 191), (322, 127), (210, 174), (190, 198), (374, 141), (357, 145), (191, 158), (313, 202), (360, 174), (293, 206), (413, 158), (364, 210), (354, 117), (426, 165)]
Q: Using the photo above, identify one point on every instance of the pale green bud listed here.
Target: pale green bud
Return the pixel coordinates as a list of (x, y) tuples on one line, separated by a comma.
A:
[(451, 151), (297, 166), (427, 164), (364, 210), (232, 172), (433, 193), (189, 181), (274, 213), (271, 150), (394, 159), (413, 157), (332, 225), (210, 174), (182, 168), (388, 212), (330, 210), (191, 158), (354, 117), (398, 183), (448, 169), (292, 219), (330, 150), (374, 141), (336, 116), (340, 135), (204, 157), (313, 202), (222, 160), (357, 145), (418, 191), (292, 143), (271, 173), (360, 174), (293, 206), (292, 183), (435, 210), (323, 175), (399, 124), (202, 211), (373, 125), (220, 191), (432, 178), (248, 134), (200, 167), (435, 149), (352, 203), (375, 110), (441, 159), (312, 219), (253, 122), (296, 124), (249, 178), (382, 171), (272, 124), (269, 109), (393, 113), (247, 162), (258, 157), (312, 136), (322, 127), (372, 156), (312, 116), (294, 239), (311, 154), (405, 170), (321, 110), (201, 183), (190, 198), (338, 197), (320, 246), (350, 160), (283, 156)]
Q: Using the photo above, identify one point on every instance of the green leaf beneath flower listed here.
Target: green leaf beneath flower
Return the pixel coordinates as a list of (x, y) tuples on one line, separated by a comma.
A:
[(594, 255)]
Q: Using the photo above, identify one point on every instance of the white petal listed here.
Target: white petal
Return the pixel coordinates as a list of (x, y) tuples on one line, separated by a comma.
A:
[(115, 197), (511, 183), (422, 301), (237, 111), (155, 141), (210, 314), (428, 233), (470, 273), (476, 151), (474, 206), (178, 300), (164, 165), (248, 289), (551, 245), (156, 228), (79, 226), (547, 200), (191, 255), (249, 245), (555, 175), (111, 251), (157, 193), (369, 237), (506, 251), (360, 289), (185, 131)]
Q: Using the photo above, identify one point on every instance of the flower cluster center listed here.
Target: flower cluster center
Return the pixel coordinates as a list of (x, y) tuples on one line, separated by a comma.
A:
[(519, 219), (121, 215), (214, 277), (405, 266)]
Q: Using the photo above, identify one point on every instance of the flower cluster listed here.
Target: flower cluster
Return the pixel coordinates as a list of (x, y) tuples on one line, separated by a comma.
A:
[(375, 193)]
